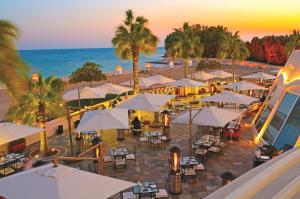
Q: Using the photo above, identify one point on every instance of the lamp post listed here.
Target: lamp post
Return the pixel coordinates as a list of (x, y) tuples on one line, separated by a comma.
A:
[(171, 66), (166, 122), (174, 173)]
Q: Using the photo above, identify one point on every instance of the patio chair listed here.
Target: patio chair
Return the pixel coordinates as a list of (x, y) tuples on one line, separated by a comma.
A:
[(132, 156), (120, 160), (106, 158), (190, 171), (128, 195), (214, 150), (162, 194), (202, 153), (143, 139), (201, 168), (156, 142)]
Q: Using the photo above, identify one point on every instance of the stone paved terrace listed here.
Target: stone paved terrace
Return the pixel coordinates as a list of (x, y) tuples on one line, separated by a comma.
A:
[(153, 163)]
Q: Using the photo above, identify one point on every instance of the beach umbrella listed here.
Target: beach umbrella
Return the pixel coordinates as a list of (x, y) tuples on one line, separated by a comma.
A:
[(221, 74), (103, 120), (84, 93), (209, 116), (113, 88), (201, 75), (244, 85), (61, 182), (144, 82), (186, 82), (146, 102), (10, 132), (230, 97), (160, 79), (260, 75)]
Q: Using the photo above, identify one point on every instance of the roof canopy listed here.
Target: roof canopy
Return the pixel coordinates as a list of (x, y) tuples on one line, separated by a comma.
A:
[(221, 74), (160, 79), (244, 85), (84, 93), (230, 97), (260, 75), (209, 116), (146, 102), (144, 82), (186, 82), (104, 119), (10, 132), (113, 88), (201, 75), (60, 182)]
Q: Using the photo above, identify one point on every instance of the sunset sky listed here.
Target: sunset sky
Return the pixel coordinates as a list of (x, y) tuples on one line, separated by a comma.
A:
[(91, 23)]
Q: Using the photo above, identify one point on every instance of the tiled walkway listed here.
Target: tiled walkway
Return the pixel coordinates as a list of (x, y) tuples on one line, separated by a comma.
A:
[(153, 164)]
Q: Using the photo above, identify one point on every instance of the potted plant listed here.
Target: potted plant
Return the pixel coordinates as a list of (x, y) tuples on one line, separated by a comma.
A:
[(17, 145)]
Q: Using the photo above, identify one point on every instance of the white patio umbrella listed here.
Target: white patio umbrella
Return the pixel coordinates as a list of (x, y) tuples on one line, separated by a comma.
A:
[(260, 76), (160, 79), (230, 97), (221, 74), (209, 116), (104, 119), (144, 82), (244, 85), (114, 89), (146, 102), (84, 93), (10, 132), (201, 75), (186, 82), (60, 182)]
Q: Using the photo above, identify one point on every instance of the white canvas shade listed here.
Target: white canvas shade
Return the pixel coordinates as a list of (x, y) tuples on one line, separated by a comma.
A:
[(144, 82), (186, 82), (221, 74), (244, 85), (201, 75), (85, 93), (104, 119), (230, 97), (146, 102), (209, 116), (260, 75), (114, 89), (62, 182), (10, 132), (160, 79)]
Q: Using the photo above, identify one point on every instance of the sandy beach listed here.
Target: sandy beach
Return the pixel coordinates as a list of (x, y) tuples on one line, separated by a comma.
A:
[(175, 73)]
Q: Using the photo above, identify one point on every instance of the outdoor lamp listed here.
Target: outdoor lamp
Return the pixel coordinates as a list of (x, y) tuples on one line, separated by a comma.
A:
[(174, 173), (171, 64), (175, 159), (148, 66), (35, 77), (166, 118), (190, 62), (119, 70)]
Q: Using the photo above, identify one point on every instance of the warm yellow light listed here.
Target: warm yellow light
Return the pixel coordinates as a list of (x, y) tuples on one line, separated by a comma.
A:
[(298, 142)]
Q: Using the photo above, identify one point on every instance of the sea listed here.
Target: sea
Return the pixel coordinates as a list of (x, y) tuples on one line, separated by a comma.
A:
[(62, 62)]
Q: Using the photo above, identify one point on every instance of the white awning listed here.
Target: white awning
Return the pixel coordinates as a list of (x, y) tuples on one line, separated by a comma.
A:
[(230, 97), (85, 93), (160, 79), (10, 132), (62, 182), (186, 82), (221, 74), (146, 102), (260, 75), (201, 75), (104, 119), (244, 85), (114, 89), (144, 82)]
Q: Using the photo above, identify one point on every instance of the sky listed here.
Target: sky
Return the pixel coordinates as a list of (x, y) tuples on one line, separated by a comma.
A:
[(92, 23)]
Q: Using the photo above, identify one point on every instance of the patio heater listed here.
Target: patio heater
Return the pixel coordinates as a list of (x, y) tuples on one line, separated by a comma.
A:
[(174, 173), (166, 122)]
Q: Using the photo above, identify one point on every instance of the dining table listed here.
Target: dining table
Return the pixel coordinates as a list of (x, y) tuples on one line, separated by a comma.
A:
[(145, 188)]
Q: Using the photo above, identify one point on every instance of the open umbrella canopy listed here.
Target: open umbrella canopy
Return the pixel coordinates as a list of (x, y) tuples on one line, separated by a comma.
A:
[(144, 82), (10, 132), (230, 97), (201, 75), (114, 89), (221, 74), (260, 75), (84, 93), (244, 85), (186, 82), (60, 182), (209, 116), (146, 102), (104, 119), (160, 79)]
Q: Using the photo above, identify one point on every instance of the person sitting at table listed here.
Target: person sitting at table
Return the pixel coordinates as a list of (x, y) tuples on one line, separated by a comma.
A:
[(136, 123)]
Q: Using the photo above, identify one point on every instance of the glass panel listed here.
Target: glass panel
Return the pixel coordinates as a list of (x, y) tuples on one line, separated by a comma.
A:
[(279, 117), (291, 129), (269, 105)]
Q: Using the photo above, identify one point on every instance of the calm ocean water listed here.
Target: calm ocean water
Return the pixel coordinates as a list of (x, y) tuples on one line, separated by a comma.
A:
[(62, 62)]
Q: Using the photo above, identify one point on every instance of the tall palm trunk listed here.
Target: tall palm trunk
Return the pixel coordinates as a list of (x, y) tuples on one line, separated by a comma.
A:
[(186, 69), (233, 70), (44, 140), (136, 81)]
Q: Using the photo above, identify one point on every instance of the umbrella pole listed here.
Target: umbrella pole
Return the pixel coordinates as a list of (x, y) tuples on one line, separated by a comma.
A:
[(190, 129), (70, 128)]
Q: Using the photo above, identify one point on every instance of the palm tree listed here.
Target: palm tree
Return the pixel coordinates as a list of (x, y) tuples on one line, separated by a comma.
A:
[(13, 71), (293, 42), (43, 101), (184, 43), (132, 39), (233, 47)]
